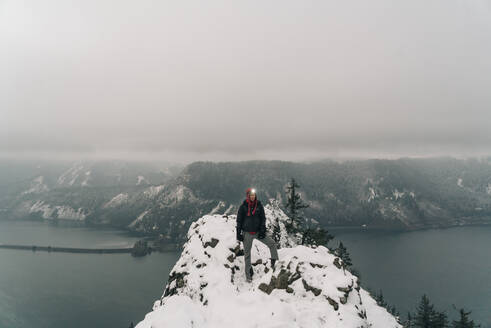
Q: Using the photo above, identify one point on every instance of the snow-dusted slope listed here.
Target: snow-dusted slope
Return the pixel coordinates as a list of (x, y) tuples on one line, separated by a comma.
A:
[(307, 288), (37, 186)]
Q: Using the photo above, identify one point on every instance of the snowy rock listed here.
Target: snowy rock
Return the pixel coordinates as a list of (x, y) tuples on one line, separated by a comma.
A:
[(207, 286)]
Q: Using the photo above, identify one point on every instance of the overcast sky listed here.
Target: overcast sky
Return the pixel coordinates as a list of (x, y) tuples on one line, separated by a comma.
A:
[(233, 80)]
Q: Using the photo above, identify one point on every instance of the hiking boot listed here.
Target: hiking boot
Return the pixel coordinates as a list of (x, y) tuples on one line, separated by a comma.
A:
[(251, 273)]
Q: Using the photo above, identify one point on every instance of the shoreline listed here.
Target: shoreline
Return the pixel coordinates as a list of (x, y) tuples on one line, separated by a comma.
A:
[(35, 248), (405, 230)]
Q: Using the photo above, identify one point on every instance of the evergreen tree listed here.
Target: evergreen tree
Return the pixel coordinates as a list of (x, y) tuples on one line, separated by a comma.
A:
[(379, 298), (425, 313), (464, 321), (316, 236), (354, 271), (409, 321), (394, 312), (439, 320), (277, 232), (294, 205), (310, 235), (343, 254)]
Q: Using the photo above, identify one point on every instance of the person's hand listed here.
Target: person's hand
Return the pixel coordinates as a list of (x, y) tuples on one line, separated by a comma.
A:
[(261, 234), (240, 237)]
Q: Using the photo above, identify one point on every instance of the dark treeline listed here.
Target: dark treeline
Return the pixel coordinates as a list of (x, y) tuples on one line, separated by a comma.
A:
[(426, 316)]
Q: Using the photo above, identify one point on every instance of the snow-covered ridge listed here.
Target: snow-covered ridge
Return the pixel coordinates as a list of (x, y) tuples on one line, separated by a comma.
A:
[(307, 287)]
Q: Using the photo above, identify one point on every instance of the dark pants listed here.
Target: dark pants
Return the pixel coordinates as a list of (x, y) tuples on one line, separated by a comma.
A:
[(248, 238)]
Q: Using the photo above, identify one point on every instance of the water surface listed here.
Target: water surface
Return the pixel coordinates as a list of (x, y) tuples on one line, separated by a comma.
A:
[(41, 289), (452, 266)]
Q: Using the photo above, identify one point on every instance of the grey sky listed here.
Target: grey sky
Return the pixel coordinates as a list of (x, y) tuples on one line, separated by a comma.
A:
[(227, 80)]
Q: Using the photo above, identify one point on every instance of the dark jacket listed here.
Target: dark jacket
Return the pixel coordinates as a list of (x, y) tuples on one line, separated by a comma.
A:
[(256, 222)]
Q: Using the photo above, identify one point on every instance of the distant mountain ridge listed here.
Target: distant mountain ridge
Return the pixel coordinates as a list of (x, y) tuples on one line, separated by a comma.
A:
[(386, 194), (89, 191), (164, 200)]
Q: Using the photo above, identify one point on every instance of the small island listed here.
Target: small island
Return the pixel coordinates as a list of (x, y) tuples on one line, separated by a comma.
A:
[(141, 248)]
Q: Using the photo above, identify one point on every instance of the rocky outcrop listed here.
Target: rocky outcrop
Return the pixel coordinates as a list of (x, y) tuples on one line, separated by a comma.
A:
[(207, 287)]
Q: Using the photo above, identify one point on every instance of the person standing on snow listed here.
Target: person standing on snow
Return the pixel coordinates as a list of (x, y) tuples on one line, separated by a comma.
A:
[(251, 224)]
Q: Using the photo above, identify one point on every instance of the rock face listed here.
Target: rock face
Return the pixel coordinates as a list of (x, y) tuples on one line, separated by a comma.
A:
[(207, 287)]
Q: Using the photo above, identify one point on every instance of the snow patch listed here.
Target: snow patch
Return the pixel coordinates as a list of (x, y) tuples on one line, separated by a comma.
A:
[(70, 175), (40, 206), (138, 219), (37, 186), (141, 179), (398, 194), (68, 213), (87, 177), (216, 208), (372, 194), (229, 209), (179, 194), (153, 191), (117, 200), (60, 212)]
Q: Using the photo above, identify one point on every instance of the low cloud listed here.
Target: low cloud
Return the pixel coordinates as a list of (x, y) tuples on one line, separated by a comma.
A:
[(244, 80)]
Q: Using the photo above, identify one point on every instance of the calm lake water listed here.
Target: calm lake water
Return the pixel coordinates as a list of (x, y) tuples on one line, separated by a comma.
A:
[(41, 289), (452, 266)]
